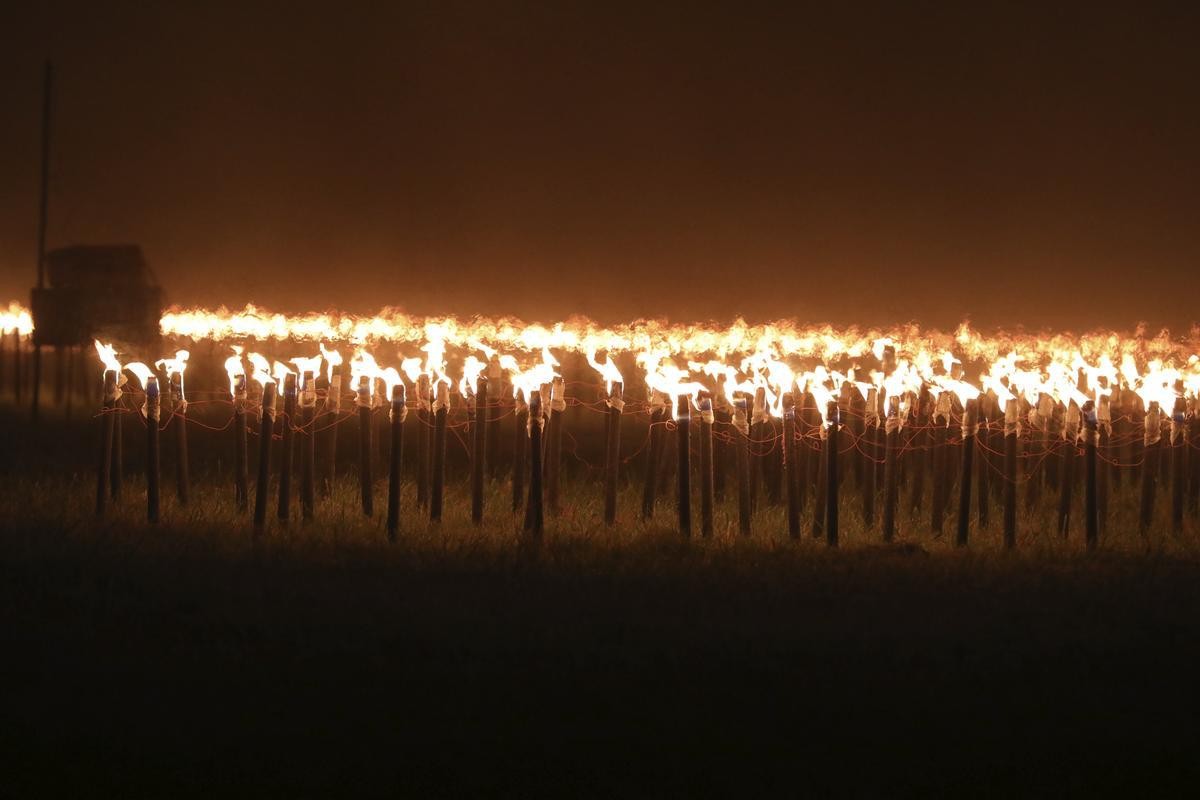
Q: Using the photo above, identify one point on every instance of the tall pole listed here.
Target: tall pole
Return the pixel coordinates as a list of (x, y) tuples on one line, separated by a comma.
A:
[(558, 406), (288, 428), (424, 426), (43, 217), (332, 409), (363, 401), (479, 448), (308, 442), (106, 435), (970, 430), (520, 451), (705, 406), (396, 417), (683, 424), (612, 451), (658, 417), (1150, 449), (741, 438), (891, 477), (790, 464), (179, 412), (266, 429), (241, 469), (1066, 484), (1012, 431), (1178, 463), (1091, 520), (152, 462), (831, 475), (437, 480), (534, 516), (868, 455)]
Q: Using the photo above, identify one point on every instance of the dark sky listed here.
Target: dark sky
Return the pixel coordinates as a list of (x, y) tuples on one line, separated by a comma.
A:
[(919, 161)]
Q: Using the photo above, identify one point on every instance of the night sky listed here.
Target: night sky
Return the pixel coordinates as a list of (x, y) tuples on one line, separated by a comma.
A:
[(917, 162)]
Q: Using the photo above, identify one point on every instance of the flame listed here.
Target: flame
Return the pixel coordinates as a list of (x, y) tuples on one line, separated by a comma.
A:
[(261, 369), (608, 370), (235, 370), (307, 367), (108, 356), (16, 318), (472, 369), (332, 359), (141, 372)]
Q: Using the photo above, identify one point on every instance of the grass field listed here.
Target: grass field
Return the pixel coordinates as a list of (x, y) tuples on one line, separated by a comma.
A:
[(188, 659)]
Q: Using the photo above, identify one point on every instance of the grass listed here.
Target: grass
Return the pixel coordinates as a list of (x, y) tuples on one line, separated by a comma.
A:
[(190, 659)]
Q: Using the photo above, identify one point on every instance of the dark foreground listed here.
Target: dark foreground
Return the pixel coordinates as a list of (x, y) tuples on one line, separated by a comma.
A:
[(180, 662)]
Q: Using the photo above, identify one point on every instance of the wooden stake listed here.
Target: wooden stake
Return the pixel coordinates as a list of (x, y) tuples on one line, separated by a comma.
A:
[(822, 495), (758, 441), (363, 402), (107, 414), (939, 434), (241, 469), (790, 464), (179, 415), (1178, 463), (612, 451), (18, 369), (921, 458), (117, 471), (831, 475), (891, 477), (534, 516), (1066, 483), (396, 416), (266, 429), (1012, 430), (520, 449), (332, 410), (970, 430), (741, 438), (1150, 445), (479, 448), (308, 444), (1103, 445), (869, 446), (1091, 517), (985, 444), (704, 405), (496, 395), (424, 429), (554, 429), (683, 494), (721, 450), (152, 458), (437, 480), (288, 429), (658, 416)]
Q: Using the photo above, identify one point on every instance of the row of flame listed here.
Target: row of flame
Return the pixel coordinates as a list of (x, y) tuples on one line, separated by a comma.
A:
[(766, 373)]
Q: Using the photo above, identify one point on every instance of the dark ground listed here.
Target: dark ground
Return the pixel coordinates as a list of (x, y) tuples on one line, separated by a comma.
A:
[(183, 660)]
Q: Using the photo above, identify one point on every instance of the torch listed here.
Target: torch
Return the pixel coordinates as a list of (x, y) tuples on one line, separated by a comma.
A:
[(308, 458), (704, 405), (479, 448), (741, 435), (920, 444), (986, 442), (1178, 463), (520, 448), (424, 425), (174, 367), (266, 426), (970, 430), (1090, 438), (1150, 450), (612, 451), (107, 413), (363, 402), (558, 405), (396, 417), (938, 444), (821, 497), (288, 428), (150, 410), (831, 475), (658, 415), (683, 414), (237, 389), (870, 454), (1066, 485), (890, 478), (332, 408), (1012, 433), (790, 465), (758, 434), (437, 481), (534, 519)]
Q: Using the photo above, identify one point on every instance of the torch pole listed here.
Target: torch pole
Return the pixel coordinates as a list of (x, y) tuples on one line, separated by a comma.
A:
[(891, 447), (534, 519), (1090, 506), (333, 409), (179, 412), (437, 480), (920, 453), (18, 369), (612, 452), (831, 475), (479, 448), (790, 464), (1012, 422), (985, 443), (424, 428), (970, 430), (706, 464), (496, 394), (308, 457), (288, 429), (1103, 476), (721, 416), (362, 399), (868, 443), (117, 471), (241, 477), (520, 450), (1150, 451), (758, 435), (1066, 484), (1178, 463), (396, 418), (266, 426), (658, 417), (558, 405), (152, 460), (821, 498), (1194, 457), (741, 438), (106, 437), (940, 454), (683, 424)]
